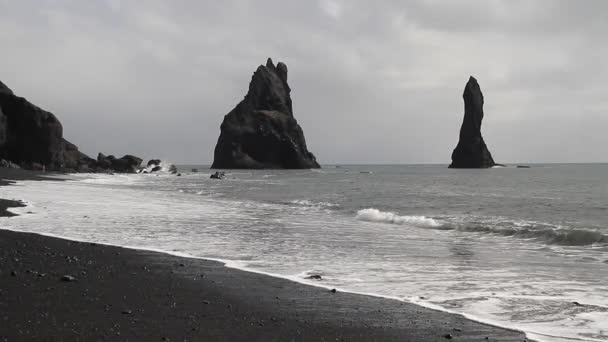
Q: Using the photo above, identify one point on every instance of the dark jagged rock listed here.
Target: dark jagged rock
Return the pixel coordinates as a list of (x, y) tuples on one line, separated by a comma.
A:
[(261, 132), (74, 159), (152, 162), (126, 164), (471, 151), (218, 175), (4, 89), (33, 138), (8, 164), (28, 134)]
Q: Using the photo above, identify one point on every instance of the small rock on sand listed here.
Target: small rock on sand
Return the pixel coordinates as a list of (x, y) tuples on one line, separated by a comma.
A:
[(315, 277), (68, 278)]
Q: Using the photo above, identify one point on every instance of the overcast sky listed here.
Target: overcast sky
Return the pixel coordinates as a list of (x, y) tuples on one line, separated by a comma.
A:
[(372, 81)]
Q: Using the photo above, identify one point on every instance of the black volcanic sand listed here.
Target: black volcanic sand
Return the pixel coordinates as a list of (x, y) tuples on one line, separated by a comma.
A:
[(9, 176), (5, 204), (119, 294)]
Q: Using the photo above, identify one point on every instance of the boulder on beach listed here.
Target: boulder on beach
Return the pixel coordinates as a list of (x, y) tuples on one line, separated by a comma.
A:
[(125, 164), (471, 151), (8, 164), (261, 131)]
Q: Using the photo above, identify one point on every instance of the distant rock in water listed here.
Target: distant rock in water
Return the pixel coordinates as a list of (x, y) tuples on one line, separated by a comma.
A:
[(472, 152), (261, 132)]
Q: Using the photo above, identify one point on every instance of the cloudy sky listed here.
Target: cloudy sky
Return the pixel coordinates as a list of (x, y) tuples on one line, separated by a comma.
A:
[(372, 81)]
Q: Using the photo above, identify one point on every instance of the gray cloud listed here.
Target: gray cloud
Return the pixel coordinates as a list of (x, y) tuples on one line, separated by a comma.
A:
[(371, 82)]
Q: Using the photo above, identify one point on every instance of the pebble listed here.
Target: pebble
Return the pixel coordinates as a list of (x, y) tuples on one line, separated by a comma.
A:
[(448, 336), (315, 277), (333, 291), (68, 278)]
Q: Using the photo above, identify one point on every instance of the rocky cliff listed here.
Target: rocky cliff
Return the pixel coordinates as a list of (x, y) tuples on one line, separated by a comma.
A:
[(471, 151), (28, 134), (33, 138), (261, 131)]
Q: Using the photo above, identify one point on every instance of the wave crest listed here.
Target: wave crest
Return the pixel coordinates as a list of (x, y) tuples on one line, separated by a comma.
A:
[(544, 233), (375, 215), (551, 236), (308, 203)]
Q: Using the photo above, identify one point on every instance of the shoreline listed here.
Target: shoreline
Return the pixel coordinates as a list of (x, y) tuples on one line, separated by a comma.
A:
[(250, 305), (309, 313)]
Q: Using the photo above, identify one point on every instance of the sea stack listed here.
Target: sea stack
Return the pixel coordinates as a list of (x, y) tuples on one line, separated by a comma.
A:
[(261, 131), (472, 152)]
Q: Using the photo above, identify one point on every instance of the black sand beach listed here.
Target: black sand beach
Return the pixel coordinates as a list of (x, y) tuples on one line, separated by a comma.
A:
[(119, 294)]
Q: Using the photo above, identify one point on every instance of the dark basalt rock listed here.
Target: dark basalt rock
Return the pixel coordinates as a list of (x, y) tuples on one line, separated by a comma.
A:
[(8, 164), (28, 134), (261, 132), (471, 151), (4, 89), (153, 162), (33, 138), (218, 175), (126, 164)]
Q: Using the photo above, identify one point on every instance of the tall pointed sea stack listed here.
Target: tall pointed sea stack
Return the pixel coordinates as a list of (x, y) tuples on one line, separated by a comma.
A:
[(472, 152), (261, 132)]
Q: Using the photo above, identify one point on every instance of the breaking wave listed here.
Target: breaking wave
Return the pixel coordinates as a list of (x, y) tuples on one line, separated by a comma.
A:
[(165, 166), (307, 203), (375, 215), (545, 233), (548, 235)]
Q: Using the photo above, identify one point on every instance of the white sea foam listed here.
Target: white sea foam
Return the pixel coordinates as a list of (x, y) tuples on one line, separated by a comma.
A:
[(375, 215), (308, 203), (164, 164)]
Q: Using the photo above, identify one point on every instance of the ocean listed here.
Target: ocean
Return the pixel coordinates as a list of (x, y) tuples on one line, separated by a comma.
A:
[(520, 248)]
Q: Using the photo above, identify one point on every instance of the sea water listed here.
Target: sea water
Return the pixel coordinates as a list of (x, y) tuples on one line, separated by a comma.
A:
[(519, 248)]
